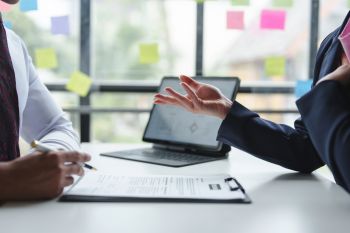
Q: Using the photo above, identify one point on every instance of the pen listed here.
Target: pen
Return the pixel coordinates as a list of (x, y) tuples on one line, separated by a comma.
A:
[(42, 148)]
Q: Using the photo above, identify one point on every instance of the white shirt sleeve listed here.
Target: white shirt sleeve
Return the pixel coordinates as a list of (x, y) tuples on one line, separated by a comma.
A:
[(43, 119)]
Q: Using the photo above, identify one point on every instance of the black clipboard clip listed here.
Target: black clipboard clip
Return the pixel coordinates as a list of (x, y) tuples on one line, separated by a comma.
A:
[(238, 187)]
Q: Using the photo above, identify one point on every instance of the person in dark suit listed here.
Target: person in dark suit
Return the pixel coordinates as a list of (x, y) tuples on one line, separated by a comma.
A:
[(320, 136)]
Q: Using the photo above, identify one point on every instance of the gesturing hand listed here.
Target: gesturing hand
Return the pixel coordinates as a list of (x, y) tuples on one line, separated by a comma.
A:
[(201, 98), (40, 176)]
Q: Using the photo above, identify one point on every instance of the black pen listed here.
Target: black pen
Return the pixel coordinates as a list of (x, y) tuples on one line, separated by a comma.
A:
[(42, 148)]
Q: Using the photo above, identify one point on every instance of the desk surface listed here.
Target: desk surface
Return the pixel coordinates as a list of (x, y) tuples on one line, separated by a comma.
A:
[(283, 201)]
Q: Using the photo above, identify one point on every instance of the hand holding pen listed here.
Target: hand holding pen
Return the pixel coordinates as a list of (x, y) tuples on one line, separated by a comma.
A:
[(45, 149)]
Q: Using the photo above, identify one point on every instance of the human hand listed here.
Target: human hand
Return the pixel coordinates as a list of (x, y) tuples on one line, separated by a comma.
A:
[(201, 98), (342, 75), (40, 176)]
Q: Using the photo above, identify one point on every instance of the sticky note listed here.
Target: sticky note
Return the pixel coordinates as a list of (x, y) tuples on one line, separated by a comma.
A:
[(348, 3), (283, 3), (60, 25), (235, 20), (240, 2), (149, 53), (273, 19), (4, 7), (8, 24), (79, 83), (28, 5), (200, 1), (46, 58), (275, 66), (302, 87)]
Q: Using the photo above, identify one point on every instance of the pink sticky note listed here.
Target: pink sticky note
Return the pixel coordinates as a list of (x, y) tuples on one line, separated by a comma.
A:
[(4, 7), (273, 19), (235, 20), (345, 40)]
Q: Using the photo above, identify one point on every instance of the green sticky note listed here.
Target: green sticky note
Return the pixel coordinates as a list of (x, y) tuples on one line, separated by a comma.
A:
[(200, 1), (46, 58), (149, 53), (79, 83), (240, 2), (349, 3), (283, 3), (275, 66)]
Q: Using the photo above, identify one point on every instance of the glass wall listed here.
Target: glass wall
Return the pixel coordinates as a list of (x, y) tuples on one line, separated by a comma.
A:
[(121, 27)]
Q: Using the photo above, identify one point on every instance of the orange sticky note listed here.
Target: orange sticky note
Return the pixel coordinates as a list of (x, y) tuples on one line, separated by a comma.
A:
[(235, 20), (46, 58), (79, 83), (273, 19)]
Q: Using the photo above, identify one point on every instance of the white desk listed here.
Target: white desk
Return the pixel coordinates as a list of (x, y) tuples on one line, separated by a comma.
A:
[(282, 202)]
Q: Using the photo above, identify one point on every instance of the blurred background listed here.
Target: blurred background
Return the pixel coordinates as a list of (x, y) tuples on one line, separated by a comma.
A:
[(190, 37)]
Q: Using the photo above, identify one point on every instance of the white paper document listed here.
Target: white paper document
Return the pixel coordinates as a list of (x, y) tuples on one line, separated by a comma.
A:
[(218, 187)]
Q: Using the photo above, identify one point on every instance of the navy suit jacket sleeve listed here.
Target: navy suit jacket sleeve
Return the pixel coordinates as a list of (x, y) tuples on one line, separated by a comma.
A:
[(276, 143), (322, 134), (326, 114)]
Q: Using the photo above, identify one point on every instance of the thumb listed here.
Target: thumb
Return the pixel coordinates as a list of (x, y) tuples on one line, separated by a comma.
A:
[(190, 82)]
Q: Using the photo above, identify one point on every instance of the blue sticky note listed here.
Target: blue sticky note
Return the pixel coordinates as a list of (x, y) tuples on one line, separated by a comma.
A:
[(60, 25), (8, 24), (302, 87), (28, 5)]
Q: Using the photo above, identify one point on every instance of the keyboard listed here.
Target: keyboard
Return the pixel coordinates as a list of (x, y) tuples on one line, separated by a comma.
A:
[(162, 157)]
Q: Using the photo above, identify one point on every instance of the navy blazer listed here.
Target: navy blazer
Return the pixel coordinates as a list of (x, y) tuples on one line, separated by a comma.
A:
[(322, 134)]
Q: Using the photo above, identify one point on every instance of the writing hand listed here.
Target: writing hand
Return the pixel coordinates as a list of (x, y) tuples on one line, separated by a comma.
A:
[(39, 176)]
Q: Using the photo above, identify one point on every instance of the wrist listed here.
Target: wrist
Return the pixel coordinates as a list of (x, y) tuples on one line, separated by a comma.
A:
[(225, 109)]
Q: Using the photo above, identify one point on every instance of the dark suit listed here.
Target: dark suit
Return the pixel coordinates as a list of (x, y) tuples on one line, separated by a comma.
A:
[(322, 134)]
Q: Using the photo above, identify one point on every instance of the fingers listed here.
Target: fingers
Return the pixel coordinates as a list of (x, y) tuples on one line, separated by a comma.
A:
[(182, 100), (73, 169), (69, 180), (193, 96), (75, 157), (163, 99), (190, 81)]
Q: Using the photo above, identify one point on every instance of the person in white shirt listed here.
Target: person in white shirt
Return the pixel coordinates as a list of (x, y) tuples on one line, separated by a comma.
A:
[(28, 110)]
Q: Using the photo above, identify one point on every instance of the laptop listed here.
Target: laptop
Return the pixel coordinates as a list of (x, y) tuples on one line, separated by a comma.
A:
[(181, 138)]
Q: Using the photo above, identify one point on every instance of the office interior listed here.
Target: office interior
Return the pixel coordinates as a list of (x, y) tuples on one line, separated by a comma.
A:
[(103, 40)]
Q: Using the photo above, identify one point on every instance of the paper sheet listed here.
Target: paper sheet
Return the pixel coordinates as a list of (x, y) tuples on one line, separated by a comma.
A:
[(194, 187)]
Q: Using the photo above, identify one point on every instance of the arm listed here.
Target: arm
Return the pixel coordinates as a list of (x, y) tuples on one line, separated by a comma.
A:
[(276, 143), (42, 118), (326, 114), (241, 128)]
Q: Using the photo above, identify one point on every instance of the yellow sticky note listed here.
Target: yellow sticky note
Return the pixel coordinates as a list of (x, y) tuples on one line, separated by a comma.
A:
[(46, 58), (240, 2), (283, 3), (275, 66), (149, 53), (79, 83)]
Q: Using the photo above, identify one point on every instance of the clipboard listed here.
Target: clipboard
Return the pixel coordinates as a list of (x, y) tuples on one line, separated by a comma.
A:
[(229, 185)]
